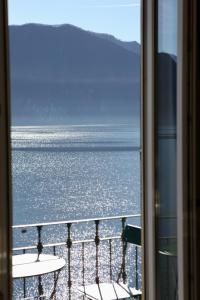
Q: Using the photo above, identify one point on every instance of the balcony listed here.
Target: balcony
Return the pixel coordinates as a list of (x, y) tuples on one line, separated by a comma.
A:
[(95, 252)]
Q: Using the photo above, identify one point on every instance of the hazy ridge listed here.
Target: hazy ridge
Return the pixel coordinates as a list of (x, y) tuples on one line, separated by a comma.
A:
[(63, 73)]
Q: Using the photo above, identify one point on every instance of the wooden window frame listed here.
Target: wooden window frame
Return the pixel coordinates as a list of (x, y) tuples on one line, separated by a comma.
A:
[(5, 161), (148, 148), (188, 149)]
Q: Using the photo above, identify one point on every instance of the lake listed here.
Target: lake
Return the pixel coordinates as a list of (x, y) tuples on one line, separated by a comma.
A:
[(75, 172)]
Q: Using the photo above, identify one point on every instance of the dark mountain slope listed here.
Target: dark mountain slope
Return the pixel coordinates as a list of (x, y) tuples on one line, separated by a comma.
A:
[(60, 74), (67, 52)]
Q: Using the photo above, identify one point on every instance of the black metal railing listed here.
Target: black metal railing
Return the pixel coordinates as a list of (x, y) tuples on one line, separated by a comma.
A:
[(114, 256)]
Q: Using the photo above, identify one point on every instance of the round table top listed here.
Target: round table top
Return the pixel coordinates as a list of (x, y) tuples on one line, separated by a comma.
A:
[(26, 265)]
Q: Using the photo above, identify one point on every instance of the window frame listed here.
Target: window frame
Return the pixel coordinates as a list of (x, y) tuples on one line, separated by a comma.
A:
[(183, 151), (5, 161), (188, 146), (148, 147)]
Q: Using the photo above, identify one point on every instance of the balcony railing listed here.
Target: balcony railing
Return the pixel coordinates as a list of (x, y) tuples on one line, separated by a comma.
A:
[(94, 250)]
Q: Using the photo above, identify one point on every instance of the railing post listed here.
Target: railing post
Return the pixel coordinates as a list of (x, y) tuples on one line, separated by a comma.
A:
[(136, 268), (83, 265), (83, 262), (54, 277), (124, 246), (110, 250), (40, 287), (54, 250), (69, 245), (97, 242), (24, 279), (39, 245), (122, 272), (53, 294)]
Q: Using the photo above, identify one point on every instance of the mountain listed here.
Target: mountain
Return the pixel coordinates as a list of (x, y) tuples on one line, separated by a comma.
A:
[(131, 46), (62, 74)]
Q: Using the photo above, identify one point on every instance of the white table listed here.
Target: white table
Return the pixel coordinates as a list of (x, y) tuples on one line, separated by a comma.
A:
[(26, 265)]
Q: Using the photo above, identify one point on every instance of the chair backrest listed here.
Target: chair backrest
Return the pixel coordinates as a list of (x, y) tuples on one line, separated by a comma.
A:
[(132, 234)]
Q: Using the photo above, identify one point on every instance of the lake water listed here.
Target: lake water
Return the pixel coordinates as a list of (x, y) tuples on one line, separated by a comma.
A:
[(74, 172)]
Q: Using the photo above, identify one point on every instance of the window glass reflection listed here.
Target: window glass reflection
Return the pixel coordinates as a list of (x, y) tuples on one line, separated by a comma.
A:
[(166, 151)]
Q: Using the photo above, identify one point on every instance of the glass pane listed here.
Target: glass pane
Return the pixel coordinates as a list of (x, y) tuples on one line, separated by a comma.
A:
[(75, 89), (166, 229)]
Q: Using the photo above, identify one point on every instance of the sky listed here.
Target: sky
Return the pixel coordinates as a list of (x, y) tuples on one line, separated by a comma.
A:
[(120, 18)]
